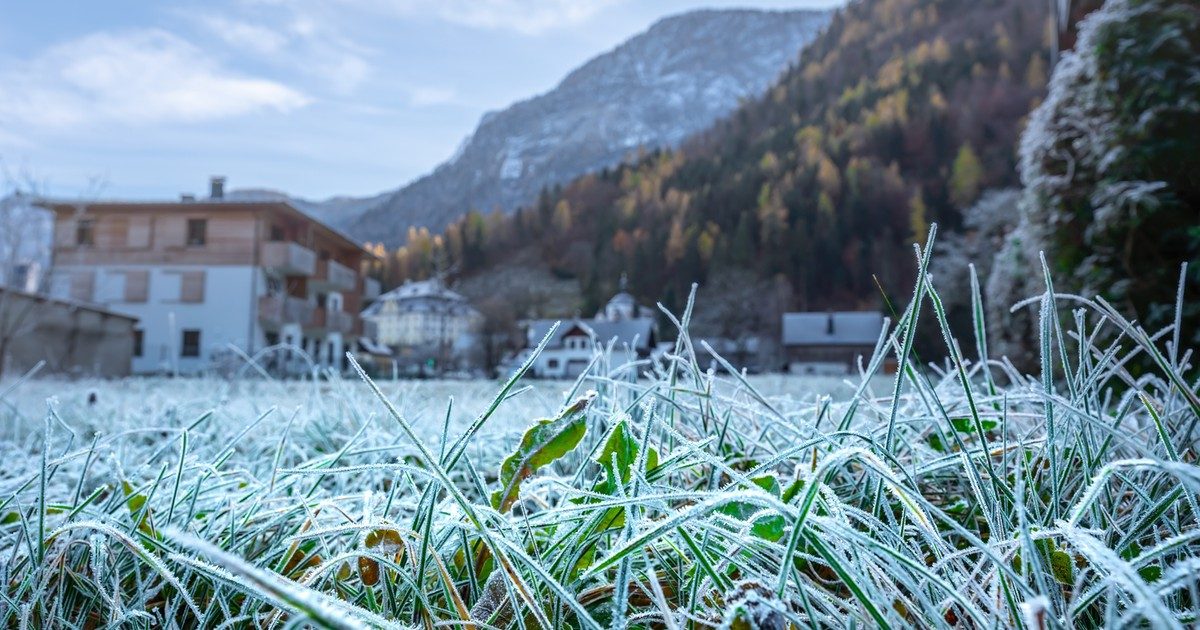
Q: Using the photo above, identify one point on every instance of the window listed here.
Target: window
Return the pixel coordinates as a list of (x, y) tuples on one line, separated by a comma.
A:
[(197, 231), (138, 336), (137, 286), (191, 287), (191, 343), (85, 232), (276, 233), (138, 232), (552, 364)]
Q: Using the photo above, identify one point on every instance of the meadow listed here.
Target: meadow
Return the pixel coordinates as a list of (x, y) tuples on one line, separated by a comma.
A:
[(956, 494)]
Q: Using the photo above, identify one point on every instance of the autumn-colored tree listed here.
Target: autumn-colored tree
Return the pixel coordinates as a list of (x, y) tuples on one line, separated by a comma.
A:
[(898, 115), (966, 177)]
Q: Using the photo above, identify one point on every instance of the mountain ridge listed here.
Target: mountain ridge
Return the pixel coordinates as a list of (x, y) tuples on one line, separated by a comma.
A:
[(660, 87), (901, 113)]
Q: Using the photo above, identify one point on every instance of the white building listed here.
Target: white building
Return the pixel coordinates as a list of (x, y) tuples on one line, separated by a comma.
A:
[(212, 279), (420, 313), (425, 320), (630, 329)]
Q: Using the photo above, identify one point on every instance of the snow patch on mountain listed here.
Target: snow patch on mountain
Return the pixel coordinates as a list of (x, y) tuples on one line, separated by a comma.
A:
[(655, 90)]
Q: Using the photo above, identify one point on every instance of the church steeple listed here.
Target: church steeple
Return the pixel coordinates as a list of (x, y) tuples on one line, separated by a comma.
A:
[(622, 306)]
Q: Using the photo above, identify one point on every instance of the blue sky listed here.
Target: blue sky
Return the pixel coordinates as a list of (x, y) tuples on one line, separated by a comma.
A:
[(316, 98)]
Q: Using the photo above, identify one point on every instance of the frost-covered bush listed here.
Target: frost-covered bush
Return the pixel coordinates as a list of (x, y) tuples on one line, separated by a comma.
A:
[(1109, 161), (986, 224)]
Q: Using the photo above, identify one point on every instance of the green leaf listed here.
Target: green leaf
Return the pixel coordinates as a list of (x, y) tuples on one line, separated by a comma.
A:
[(622, 444), (958, 507), (134, 501), (769, 527), (1062, 567), (966, 425), (766, 526), (793, 489), (547, 440), (1150, 573)]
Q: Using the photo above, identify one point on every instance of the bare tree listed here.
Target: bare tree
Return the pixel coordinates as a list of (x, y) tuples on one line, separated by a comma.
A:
[(24, 259), (26, 253)]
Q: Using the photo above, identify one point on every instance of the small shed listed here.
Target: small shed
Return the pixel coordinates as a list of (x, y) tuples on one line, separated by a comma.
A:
[(73, 338)]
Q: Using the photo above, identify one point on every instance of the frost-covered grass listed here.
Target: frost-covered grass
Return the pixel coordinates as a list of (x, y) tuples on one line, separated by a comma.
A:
[(964, 495)]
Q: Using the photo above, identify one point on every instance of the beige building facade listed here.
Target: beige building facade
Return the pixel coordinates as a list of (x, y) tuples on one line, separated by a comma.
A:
[(216, 279)]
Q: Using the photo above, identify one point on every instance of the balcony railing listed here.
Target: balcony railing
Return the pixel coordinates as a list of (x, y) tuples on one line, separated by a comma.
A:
[(333, 321), (335, 276), (371, 288), (289, 258), (278, 310)]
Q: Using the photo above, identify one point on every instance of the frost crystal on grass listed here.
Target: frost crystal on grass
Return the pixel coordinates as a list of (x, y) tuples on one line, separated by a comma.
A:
[(692, 497)]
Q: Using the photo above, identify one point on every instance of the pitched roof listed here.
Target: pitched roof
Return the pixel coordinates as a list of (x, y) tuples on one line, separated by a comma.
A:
[(845, 328), (430, 295), (198, 205), (43, 298), (634, 333), (371, 346)]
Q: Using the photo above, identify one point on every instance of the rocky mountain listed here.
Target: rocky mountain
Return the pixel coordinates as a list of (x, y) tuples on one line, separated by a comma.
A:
[(899, 114), (654, 90)]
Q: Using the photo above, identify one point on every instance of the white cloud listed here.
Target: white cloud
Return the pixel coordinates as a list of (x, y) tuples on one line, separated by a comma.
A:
[(252, 37), (293, 40), (529, 17), (134, 78), (337, 63), (430, 95)]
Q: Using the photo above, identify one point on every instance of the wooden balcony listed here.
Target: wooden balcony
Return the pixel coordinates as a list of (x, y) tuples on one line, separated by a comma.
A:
[(278, 310), (330, 321), (334, 276), (289, 258)]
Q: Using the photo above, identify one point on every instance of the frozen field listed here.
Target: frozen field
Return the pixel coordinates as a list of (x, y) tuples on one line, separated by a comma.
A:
[(141, 404), (679, 501)]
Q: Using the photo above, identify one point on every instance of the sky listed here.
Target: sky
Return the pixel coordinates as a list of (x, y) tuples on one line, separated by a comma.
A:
[(147, 99)]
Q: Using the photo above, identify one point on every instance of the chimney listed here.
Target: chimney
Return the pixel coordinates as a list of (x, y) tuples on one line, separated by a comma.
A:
[(187, 197), (217, 187)]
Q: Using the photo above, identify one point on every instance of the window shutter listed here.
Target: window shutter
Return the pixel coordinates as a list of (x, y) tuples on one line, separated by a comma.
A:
[(137, 286), (172, 231), (191, 288), (139, 232), (117, 232)]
